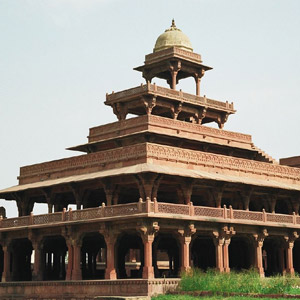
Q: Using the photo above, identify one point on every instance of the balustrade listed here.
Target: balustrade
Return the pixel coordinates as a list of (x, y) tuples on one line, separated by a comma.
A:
[(202, 213)]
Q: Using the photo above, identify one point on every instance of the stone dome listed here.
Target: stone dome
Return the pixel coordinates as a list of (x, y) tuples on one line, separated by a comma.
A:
[(172, 37)]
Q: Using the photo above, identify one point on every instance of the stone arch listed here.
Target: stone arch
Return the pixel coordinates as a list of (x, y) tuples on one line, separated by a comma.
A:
[(203, 252), (20, 259), (130, 256), (241, 253), (53, 257), (166, 255), (93, 256)]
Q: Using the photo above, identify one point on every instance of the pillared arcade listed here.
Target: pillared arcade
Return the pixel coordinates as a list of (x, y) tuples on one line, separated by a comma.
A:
[(156, 194)]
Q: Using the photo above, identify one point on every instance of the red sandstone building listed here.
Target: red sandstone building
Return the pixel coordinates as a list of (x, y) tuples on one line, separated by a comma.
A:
[(156, 194)]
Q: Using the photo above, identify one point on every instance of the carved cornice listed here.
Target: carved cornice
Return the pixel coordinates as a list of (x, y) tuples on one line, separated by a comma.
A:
[(178, 157)]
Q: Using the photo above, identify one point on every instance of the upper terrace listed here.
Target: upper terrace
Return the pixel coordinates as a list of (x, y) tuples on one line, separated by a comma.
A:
[(152, 99)]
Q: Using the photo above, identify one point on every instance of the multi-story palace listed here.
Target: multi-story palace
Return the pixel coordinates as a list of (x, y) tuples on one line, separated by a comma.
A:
[(156, 194)]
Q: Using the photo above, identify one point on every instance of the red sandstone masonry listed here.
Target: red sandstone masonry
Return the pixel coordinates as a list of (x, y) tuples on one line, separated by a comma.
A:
[(132, 125), (167, 93), (169, 156), (154, 209), (85, 289)]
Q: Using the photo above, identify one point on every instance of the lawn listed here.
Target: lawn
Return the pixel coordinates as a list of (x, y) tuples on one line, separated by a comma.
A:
[(246, 284)]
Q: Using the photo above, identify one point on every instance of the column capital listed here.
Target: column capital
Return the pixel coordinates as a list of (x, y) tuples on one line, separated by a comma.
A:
[(260, 237), (290, 239), (186, 232), (148, 231)]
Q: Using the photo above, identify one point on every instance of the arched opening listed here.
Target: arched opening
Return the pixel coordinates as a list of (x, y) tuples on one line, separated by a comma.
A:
[(296, 256), (241, 253), (93, 256), (20, 260), (166, 256), (273, 256), (130, 256), (203, 253), (54, 258)]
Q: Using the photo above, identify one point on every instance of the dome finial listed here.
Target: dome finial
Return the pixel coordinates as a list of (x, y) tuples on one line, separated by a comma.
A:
[(173, 23)]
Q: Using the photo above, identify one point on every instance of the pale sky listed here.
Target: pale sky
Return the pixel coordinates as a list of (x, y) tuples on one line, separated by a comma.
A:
[(58, 58)]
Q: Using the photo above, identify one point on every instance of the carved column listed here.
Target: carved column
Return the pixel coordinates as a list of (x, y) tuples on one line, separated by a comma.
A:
[(186, 188), (70, 259), (148, 184), (289, 244), (148, 232), (185, 240), (197, 77), (6, 274), (110, 240), (111, 191), (219, 242), (258, 243), (149, 103), (38, 267), (174, 69), (217, 194), (246, 196), (76, 271), (295, 205), (227, 233), (272, 203)]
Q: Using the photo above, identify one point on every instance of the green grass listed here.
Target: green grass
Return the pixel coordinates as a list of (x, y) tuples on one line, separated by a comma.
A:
[(242, 282), (187, 297), (247, 282)]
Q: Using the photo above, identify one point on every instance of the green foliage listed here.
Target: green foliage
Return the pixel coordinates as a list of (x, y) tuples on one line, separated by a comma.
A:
[(243, 282)]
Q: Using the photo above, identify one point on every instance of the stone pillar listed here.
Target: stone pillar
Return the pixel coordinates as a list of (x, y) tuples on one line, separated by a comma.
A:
[(70, 259), (258, 243), (110, 240), (76, 270), (226, 254), (6, 275), (148, 232), (185, 240), (174, 69), (38, 269), (289, 244), (219, 242), (148, 270), (185, 253), (174, 79)]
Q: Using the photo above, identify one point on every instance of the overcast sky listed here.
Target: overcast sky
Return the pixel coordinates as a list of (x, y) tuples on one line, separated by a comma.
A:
[(58, 58)]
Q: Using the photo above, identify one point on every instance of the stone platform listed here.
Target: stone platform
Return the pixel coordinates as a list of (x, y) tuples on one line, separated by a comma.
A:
[(87, 290)]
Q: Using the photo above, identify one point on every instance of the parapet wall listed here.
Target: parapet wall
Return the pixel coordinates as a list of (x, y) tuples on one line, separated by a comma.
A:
[(87, 290)]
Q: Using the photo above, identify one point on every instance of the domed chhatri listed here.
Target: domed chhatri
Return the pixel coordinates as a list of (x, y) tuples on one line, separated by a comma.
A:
[(172, 37)]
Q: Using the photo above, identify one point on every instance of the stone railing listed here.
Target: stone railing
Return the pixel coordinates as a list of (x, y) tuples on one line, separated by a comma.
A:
[(200, 213), (167, 93)]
